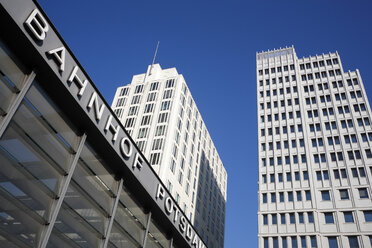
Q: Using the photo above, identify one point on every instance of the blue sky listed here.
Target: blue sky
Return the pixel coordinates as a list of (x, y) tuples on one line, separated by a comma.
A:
[(214, 44)]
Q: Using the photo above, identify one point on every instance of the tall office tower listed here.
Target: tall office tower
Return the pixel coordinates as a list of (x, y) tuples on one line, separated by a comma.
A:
[(315, 160), (159, 112)]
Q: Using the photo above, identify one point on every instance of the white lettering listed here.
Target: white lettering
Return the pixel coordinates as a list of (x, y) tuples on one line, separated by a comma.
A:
[(189, 232), (160, 192), (137, 161), (168, 205), (195, 241), (59, 55), (114, 130), (74, 78), (183, 224), (201, 244), (98, 110), (126, 141), (37, 24), (176, 214)]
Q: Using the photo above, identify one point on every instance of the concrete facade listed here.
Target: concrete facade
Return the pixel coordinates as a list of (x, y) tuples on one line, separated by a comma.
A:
[(159, 112), (314, 138)]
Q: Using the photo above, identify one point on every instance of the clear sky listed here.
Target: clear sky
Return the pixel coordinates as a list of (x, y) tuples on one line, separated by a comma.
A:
[(214, 44)]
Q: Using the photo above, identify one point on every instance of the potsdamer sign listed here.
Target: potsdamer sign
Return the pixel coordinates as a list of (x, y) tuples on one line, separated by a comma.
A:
[(49, 45)]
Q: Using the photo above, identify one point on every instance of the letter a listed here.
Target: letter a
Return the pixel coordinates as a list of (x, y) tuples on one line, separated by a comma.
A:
[(59, 55)]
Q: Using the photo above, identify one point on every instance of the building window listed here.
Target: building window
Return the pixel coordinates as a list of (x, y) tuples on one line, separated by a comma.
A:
[(151, 97), (169, 83), (325, 195), (353, 242), (163, 117), (165, 105), (167, 94), (292, 219), (332, 242), (138, 89), (142, 133), (301, 218), (310, 217), (274, 219), (282, 218), (266, 242), (367, 216), (265, 221), (264, 198), (363, 193), (294, 241), (124, 91), (172, 165), (348, 216), (157, 144), (154, 86), (132, 110), (155, 158), (344, 194), (149, 108), (329, 218)]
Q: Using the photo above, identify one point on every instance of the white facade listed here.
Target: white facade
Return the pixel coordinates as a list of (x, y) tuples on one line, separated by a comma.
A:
[(159, 112), (315, 161)]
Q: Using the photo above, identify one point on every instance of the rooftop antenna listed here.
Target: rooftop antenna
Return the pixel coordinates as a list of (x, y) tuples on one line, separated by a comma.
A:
[(153, 60)]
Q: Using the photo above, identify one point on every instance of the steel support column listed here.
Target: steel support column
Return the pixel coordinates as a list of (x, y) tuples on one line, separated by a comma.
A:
[(14, 106), (147, 230), (112, 217), (45, 234)]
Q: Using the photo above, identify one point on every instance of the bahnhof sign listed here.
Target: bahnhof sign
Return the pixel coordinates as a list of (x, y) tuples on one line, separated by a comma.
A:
[(70, 176)]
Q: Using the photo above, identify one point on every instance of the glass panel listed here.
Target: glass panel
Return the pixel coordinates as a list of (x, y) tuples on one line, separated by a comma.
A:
[(120, 239), (156, 237), (80, 219), (134, 208), (89, 200), (30, 177), (11, 78), (50, 117), (129, 224), (91, 175), (59, 240)]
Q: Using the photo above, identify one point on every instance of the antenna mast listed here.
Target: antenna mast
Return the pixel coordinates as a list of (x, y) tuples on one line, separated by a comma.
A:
[(153, 60)]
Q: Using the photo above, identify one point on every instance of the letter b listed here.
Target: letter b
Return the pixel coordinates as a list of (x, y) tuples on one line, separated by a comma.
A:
[(37, 25)]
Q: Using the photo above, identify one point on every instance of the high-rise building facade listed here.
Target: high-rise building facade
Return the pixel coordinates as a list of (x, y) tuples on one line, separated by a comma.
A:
[(314, 145), (159, 112)]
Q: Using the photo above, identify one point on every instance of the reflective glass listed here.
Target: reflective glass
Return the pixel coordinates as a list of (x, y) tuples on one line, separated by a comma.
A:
[(91, 175), (130, 220), (89, 200), (80, 219), (120, 239), (30, 178), (156, 237), (11, 79)]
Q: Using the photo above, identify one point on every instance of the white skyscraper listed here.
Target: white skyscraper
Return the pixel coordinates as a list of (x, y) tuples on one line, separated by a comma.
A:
[(159, 112), (315, 160)]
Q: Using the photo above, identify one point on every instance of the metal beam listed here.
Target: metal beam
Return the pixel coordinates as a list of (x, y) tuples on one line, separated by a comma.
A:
[(112, 217), (171, 243), (44, 237), (147, 230), (14, 106)]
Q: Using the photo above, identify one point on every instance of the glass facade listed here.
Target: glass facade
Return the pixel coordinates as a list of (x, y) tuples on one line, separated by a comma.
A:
[(55, 188)]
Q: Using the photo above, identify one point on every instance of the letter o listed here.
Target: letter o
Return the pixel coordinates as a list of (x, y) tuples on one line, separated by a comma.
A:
[(168, 205), (126, 142)]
